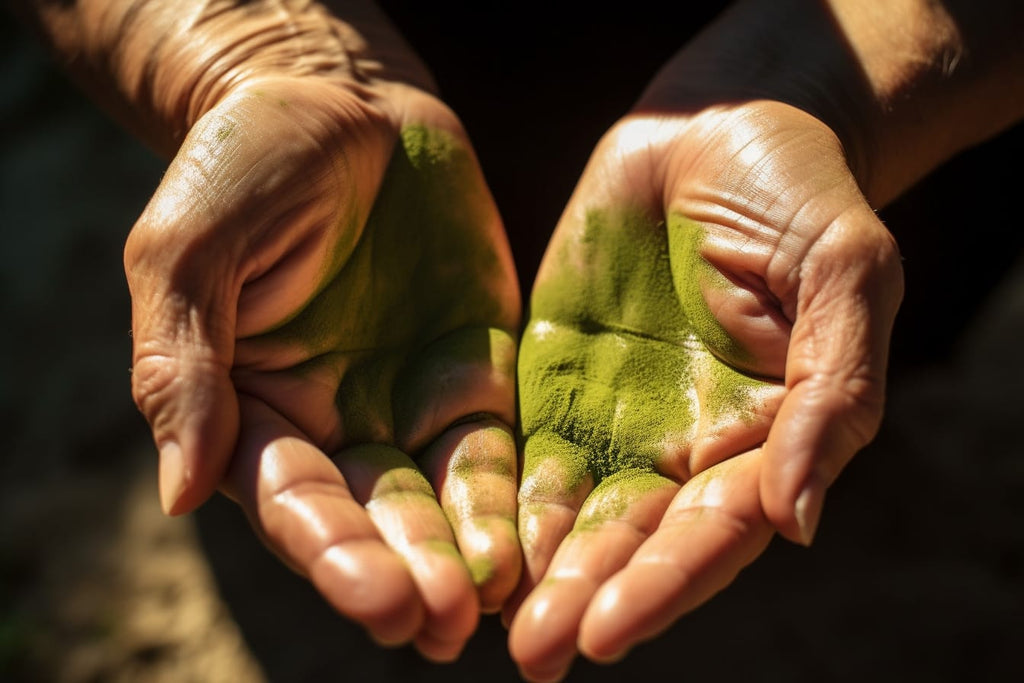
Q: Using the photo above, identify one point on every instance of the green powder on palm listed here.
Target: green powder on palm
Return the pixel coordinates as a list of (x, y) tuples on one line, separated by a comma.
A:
[(690, 274), (609, 362), (413, 280)]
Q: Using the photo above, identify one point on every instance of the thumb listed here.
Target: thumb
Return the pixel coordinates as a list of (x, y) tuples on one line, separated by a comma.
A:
[(184, 297), (850, 287)]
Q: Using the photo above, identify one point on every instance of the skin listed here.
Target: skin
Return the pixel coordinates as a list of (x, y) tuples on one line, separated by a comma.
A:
[(324, 304), (723, 234), (662, 340), (708, 331), (373, 384)]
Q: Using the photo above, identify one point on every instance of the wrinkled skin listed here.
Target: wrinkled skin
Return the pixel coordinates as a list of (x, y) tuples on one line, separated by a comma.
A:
[(706, 349), (323, 294), (322, 297)]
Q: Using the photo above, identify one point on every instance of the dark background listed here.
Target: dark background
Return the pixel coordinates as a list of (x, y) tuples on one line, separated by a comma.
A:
[(918, 568)]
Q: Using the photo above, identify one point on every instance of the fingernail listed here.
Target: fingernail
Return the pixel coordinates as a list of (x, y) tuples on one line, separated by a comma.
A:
[(808, 509), (172, 475)]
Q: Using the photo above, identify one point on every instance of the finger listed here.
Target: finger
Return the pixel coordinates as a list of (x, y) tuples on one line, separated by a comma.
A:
[(404, 508), (713, 528), (835, 370), (186, 260), (473, 465), (300, 505), (183, 321), (180, 383), (616, 518), (556, 480)]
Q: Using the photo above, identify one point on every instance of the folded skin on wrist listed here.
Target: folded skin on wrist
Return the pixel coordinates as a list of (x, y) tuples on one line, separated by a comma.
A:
[(157, 66), (905, 85)]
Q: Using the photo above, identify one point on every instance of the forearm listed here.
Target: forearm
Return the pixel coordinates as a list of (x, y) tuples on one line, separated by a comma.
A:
[(158, 65), (905, 84)]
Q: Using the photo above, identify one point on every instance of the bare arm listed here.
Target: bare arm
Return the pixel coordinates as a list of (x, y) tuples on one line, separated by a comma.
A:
[(158, 65), (905, 84)]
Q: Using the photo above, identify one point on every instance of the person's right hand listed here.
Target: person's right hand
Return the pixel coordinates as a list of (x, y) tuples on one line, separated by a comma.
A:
[(323, 297)]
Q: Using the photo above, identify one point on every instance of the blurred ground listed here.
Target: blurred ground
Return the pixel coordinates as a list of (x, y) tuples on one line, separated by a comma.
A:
[(917, 573)]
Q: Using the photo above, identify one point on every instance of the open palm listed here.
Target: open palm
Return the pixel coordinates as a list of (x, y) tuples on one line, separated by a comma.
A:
[(701, 359), (322, 291)]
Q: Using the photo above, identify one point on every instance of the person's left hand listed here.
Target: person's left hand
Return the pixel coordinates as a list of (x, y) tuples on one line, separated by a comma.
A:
[(706, 349)]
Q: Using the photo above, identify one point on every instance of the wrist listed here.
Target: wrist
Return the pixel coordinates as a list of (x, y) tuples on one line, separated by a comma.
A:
[(904, 84), (159, 65)]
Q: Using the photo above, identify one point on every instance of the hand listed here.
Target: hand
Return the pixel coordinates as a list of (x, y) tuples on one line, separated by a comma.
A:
[(324, 306), (706, 350), (322, 292)]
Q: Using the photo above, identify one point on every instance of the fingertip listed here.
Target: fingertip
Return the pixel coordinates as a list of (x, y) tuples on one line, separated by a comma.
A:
[(792, 515), (192, 410), (793, 485), (547, 675), (807, 509), (604, 657), (438, 650), (182, 484), (172, 478), (193, 463), (629, 608), (595, 641), (805, 451), (449, 599), (494, 559), (367, 582), (607, 635), (494, 594), (550, 666), (542, 637)]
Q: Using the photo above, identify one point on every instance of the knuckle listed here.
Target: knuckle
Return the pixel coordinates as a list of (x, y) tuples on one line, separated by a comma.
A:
[(155, 381), (856, 402)]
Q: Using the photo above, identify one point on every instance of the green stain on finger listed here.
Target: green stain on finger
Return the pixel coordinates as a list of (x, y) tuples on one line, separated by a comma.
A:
[(493, 452), (481, 569), (613, 497), (553, 463), (442, 547), (225, 131), (396, 474)]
